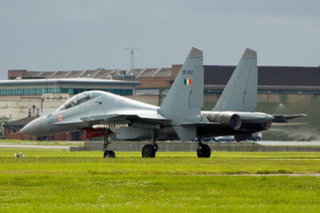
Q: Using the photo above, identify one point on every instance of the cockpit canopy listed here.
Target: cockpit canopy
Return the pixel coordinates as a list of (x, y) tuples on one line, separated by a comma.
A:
[(77, 100)]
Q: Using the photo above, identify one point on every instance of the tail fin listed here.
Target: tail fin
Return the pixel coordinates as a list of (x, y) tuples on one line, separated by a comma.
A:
[(240, 93), (185, 96)]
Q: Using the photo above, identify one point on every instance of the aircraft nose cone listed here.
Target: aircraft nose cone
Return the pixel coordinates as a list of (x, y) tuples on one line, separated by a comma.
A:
[(269, 117), (35, 127)]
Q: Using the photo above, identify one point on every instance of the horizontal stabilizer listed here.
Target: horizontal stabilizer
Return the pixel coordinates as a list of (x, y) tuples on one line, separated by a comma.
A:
[(289, 124), (284, 118)]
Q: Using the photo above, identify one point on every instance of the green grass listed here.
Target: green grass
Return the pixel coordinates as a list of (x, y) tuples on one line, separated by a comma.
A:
[(63, 181)]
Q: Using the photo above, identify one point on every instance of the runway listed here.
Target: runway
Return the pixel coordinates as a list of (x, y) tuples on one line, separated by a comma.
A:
[(186, 146), (33, 146), (288, 143)]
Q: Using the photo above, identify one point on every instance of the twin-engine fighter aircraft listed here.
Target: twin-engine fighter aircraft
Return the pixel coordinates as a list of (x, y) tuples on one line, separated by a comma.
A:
[(178, 118)]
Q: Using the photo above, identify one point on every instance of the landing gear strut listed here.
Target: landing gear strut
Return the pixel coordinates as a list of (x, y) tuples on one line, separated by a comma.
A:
[(149, 150), (106, 141), (203, 150)]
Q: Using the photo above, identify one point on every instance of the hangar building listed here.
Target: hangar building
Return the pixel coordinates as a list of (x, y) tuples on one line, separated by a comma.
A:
[(23, 100), (271, 79), (19, 98), (295, 88)]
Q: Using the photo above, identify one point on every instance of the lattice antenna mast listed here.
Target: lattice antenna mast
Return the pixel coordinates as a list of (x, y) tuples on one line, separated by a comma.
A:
[(132, 59)]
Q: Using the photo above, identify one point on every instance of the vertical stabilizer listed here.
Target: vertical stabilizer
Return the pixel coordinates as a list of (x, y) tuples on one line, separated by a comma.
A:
[(240, 93), (185, 96)]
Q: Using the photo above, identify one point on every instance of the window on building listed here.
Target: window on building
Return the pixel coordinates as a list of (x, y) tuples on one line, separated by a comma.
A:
[(71, 91)]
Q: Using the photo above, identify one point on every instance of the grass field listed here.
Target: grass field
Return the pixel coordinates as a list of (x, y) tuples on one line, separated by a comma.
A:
[(63, 181)]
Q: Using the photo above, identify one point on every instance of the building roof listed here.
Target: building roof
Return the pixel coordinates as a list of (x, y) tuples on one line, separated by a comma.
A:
[(20, 122), (67, 81), (214, 75), (97, 73)]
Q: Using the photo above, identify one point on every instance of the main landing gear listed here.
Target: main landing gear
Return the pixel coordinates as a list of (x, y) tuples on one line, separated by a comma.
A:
[(149, 150), (106, 141), (203, 150)]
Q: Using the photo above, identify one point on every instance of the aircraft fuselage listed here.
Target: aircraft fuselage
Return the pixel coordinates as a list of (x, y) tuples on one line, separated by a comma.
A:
[(77, 112)]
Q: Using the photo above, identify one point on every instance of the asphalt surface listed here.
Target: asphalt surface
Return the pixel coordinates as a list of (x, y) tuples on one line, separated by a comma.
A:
[(263, 143), (289, 143), (33, 146)]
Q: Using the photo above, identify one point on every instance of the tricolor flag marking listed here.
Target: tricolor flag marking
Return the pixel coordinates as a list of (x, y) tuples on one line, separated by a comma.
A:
[(187, 81)]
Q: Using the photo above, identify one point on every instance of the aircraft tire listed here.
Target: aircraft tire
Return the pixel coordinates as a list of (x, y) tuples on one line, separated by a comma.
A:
[(148, 151), (155, 147), (204, 151), (109, 154)]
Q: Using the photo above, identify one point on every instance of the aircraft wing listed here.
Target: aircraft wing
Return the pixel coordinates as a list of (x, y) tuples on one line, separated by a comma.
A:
[(278, 118), (125, 117), (120, 117)]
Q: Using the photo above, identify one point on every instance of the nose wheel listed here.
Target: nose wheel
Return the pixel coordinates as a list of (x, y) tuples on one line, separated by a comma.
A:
[(109, 154), (203, 150)]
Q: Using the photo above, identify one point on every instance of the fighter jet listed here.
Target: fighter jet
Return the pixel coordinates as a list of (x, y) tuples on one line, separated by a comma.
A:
[(178, 118)]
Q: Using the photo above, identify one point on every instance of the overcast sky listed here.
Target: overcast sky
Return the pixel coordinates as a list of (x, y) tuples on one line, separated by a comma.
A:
[(81, 34)]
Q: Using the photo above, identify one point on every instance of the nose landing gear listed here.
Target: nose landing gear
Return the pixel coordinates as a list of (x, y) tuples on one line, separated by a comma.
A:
[(109, 154), (106, 141)]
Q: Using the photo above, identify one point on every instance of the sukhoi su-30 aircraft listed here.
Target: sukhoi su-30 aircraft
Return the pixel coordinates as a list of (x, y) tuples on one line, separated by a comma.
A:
[(178, 118)]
